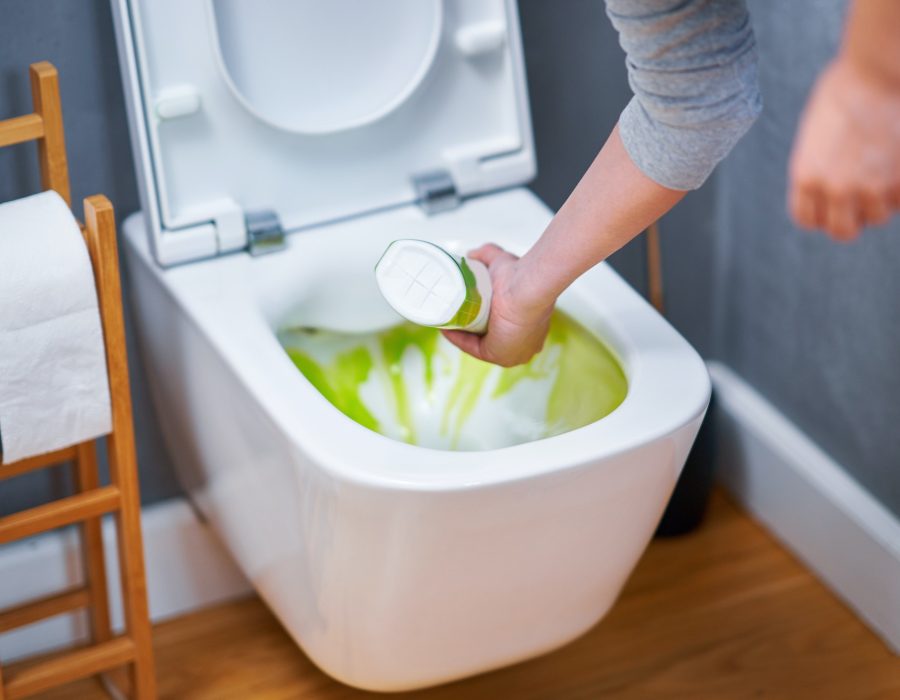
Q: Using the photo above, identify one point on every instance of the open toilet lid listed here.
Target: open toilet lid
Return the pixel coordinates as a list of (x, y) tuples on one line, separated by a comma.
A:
[(314, 110)]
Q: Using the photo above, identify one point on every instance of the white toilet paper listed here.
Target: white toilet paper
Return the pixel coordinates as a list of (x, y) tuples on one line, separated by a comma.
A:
[(53, 386)]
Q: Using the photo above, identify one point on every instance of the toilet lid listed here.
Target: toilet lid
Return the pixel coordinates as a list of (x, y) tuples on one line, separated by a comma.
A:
[(315, 110), (314, 73)]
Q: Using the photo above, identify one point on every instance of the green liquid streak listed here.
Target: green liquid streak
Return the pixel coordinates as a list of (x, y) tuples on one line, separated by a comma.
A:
[(584, 360), (394, 344), (464, 395), (340, 383), (586, 382)]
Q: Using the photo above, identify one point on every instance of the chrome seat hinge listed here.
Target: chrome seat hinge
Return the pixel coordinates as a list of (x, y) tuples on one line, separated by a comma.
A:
[(264, 232), (435, 191)]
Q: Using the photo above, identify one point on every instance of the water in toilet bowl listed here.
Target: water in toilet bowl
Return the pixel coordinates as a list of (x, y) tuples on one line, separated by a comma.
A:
[(408, 383)]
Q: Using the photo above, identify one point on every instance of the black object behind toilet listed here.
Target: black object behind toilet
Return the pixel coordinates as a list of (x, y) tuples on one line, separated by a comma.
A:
[(691, 496)]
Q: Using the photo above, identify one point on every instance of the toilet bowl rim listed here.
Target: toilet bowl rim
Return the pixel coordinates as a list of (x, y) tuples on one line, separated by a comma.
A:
[(337, 444)]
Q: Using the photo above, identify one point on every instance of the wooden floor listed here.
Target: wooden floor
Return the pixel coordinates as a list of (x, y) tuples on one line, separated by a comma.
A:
[(724, 613)]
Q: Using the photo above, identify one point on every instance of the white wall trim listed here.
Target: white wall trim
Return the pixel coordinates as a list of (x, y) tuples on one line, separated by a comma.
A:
[(187, 569), (810, 503)]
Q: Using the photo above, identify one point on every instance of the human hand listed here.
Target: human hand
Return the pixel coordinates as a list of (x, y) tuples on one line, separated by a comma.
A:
[(845, 167), (520, 316)]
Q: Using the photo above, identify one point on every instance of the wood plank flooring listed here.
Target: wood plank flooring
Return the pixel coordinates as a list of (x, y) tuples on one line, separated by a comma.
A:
[(722, 614)]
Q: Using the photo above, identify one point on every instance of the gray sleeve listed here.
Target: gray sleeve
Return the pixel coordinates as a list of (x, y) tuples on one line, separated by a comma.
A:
[(692, 65)]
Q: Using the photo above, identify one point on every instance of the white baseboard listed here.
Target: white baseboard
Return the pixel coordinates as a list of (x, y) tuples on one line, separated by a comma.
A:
[(810, 503), (187, 569)]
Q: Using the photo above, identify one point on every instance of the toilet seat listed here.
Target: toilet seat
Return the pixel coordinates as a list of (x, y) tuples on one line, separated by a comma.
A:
[(394, 566), (240, 301), (236, 111)]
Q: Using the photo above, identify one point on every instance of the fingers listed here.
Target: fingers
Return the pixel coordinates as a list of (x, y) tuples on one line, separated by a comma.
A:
[(807, 208), (475, 346), (842, 218), (875, 208), (893, 196), (839, 211), (489, 253), (467, 342)]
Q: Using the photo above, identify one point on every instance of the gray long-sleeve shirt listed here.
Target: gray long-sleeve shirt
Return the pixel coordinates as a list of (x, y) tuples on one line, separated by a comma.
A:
[(692, 65)]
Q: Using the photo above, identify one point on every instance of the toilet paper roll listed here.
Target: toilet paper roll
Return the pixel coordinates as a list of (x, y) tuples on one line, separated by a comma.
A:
[(54, 390)]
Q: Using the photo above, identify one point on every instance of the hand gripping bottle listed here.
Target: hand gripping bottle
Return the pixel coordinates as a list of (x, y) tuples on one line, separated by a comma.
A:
[(429, 286)]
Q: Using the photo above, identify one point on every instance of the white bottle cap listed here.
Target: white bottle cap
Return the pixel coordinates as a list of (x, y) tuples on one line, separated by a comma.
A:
[(429, 286)]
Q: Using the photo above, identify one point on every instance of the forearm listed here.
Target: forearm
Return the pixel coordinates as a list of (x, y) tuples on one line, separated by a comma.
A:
[(692, 66), (872, 40), (613, 203)]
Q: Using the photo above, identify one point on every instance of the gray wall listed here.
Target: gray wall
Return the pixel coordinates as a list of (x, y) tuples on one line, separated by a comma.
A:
[(791, 313), (814, 325)]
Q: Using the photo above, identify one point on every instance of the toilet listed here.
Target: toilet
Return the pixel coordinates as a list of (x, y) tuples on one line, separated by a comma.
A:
[(317, 133)]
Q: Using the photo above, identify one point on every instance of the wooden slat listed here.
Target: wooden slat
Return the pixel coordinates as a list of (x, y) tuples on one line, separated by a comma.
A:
[(654, 268), (20, 129), (117, 682), (52, 147), (86, 507), (69, 667), (87, 479), (7, 471), (49, 606), (59, 513), (100, 236)]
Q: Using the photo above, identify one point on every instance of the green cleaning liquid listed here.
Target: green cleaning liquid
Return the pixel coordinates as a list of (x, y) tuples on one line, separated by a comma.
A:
[(410, 384)]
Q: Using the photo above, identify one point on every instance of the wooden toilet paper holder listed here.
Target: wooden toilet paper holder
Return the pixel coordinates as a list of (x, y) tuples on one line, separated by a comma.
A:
[(131, 650)]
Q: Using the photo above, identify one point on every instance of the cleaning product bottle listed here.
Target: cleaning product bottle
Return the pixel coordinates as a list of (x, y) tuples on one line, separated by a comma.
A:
[(429, 286)]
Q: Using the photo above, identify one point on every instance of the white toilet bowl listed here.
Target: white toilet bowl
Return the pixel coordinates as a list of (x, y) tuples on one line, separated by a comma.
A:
[(395, 566)]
